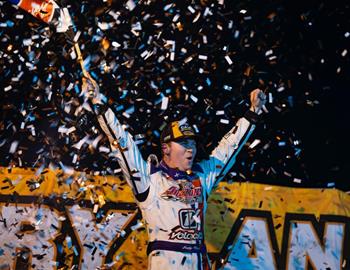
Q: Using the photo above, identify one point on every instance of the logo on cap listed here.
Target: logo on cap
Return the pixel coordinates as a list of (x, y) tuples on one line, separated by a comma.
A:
[(177, 130), (186, 130)]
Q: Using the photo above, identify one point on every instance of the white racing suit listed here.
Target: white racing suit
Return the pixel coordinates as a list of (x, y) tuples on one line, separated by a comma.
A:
[(173, 202)]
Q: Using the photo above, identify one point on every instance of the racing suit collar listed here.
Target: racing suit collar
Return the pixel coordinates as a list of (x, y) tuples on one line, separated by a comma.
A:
[(174, 173)]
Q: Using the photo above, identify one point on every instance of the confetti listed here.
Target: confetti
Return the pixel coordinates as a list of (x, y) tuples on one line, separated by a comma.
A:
[(228, 59), (156, 61), (254, 143)]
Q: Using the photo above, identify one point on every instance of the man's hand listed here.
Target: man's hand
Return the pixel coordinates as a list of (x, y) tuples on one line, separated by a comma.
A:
[(257, 100), (90, 90)]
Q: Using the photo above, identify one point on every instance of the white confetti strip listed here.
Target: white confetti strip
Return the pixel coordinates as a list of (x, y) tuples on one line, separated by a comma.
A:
[(195, 99), (191, 9), (228, 59), (13, 147), (254, 143), (130, 5), (165, 101)]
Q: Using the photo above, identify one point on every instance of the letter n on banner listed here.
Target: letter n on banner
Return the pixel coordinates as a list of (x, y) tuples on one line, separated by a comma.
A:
[(308, 243)]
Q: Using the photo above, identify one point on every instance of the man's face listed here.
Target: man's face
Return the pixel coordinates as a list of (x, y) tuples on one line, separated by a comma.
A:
[(181, 154)]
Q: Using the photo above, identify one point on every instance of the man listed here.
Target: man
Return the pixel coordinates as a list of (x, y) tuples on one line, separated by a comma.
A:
[(172, 195)]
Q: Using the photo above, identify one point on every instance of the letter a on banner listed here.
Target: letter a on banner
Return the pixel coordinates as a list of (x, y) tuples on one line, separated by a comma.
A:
[(252, 248)]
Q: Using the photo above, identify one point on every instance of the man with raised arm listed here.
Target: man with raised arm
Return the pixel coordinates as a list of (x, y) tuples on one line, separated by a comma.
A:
[(172, 195)]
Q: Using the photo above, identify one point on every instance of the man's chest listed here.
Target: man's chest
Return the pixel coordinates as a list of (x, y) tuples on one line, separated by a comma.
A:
[(186, 191)]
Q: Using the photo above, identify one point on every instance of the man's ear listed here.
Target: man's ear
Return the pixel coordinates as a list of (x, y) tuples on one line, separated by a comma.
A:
[(165, 149)]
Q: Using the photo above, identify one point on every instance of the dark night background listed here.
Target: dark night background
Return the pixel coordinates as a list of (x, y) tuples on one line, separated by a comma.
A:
[(296, 50)]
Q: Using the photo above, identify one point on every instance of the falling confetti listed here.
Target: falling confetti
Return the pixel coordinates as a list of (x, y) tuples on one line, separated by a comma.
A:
[(156, 61)]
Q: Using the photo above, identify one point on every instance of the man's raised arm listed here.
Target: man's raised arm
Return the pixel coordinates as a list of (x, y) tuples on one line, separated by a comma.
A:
[(224, 155), (134, 167)]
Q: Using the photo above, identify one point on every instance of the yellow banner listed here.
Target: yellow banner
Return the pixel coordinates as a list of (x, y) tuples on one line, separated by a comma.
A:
[(52, 220)]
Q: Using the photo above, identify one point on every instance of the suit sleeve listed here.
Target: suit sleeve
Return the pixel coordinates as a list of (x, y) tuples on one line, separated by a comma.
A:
[(224, 155), (134, 167)]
